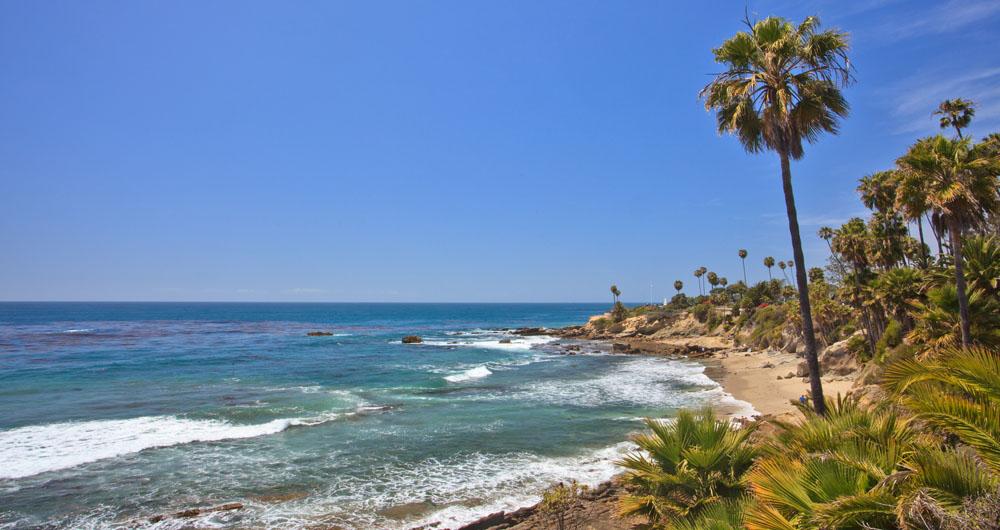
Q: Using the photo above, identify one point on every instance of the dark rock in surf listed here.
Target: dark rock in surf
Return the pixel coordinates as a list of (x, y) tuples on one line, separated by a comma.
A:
[(319, 334), (527, 332), (412, 339)]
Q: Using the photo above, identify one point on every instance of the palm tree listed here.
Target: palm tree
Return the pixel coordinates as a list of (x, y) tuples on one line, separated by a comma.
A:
[(723, 281), (688, 466), (962, 191), (781, 87), (697, 274), (911, 200), (769, 262), (713, 279), (782, 266), (743, 259), (615, 293), (956, 113), (678, 285)]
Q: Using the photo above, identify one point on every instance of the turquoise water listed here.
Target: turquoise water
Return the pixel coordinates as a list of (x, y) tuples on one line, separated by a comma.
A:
[(112, 413)]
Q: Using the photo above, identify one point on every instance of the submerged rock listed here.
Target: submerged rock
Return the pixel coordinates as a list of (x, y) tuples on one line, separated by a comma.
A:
[(319, 334), (412, 339), (526, 332), (195, 512), (504, 341)]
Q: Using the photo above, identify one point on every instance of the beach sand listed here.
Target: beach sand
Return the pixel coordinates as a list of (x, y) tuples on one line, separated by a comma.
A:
[(761, 379)]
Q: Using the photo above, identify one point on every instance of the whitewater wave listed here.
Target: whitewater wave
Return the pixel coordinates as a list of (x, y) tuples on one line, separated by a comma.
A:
[(453, 491), (494, 341), (478, 372), (35, 449), (645, 382)]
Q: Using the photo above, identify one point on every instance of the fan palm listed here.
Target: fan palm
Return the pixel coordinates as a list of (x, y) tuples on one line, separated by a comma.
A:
[(678, 285), (697, 274), (713, 279), (781, 88), (743, 259), (956, 113), (769, 262), (938, 324), (860, 466), (962, 189), (686, 467), (911, 200), (615, 293)]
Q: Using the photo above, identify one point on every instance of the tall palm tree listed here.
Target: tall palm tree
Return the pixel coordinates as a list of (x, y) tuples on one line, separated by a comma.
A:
[(615, 293), (911, 200), (961, 189), (769, 262), (678, 285), (743, 259), (697, 274), (781, 87), (713, 279), (782, 266), (723, 281), (956, 113)]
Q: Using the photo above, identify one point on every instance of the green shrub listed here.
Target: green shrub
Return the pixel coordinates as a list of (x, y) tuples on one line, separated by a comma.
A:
[(557, 500), (619, 312), (858, 346), (891, 337), (701, 312), (768, 324)]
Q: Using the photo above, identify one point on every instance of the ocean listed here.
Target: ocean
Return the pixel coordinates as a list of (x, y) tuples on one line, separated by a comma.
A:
[(111, 413)]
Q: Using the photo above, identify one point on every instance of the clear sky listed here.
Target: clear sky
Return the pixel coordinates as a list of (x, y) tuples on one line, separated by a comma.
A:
[(428, 151)]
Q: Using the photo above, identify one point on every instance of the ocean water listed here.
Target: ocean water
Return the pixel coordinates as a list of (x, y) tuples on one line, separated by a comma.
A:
[(112, 413)]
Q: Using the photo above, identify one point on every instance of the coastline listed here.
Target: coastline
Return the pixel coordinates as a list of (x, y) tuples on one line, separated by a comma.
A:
[(768, 381)]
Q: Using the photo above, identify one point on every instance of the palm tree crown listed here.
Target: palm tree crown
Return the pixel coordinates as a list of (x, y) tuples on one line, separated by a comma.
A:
[(781, 85), (956, 113)]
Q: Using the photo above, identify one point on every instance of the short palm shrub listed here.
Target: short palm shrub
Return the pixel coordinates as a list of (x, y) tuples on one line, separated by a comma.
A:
[(860, 466), (688, 468), (956, 392)]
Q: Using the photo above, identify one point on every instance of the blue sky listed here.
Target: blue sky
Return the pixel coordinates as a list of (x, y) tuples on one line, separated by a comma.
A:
[(427, 151)]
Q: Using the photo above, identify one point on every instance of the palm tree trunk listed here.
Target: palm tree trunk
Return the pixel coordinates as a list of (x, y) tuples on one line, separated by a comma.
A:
[(812, 360), (744, 272), (937, 236), (963, 299), (923, 248)]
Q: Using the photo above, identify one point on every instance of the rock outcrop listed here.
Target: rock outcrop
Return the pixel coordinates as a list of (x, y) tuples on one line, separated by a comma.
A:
[(412, 339), (835, 359)]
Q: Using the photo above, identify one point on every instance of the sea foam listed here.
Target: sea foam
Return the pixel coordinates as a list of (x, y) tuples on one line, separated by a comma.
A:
[(35, 449), (473, 373)]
